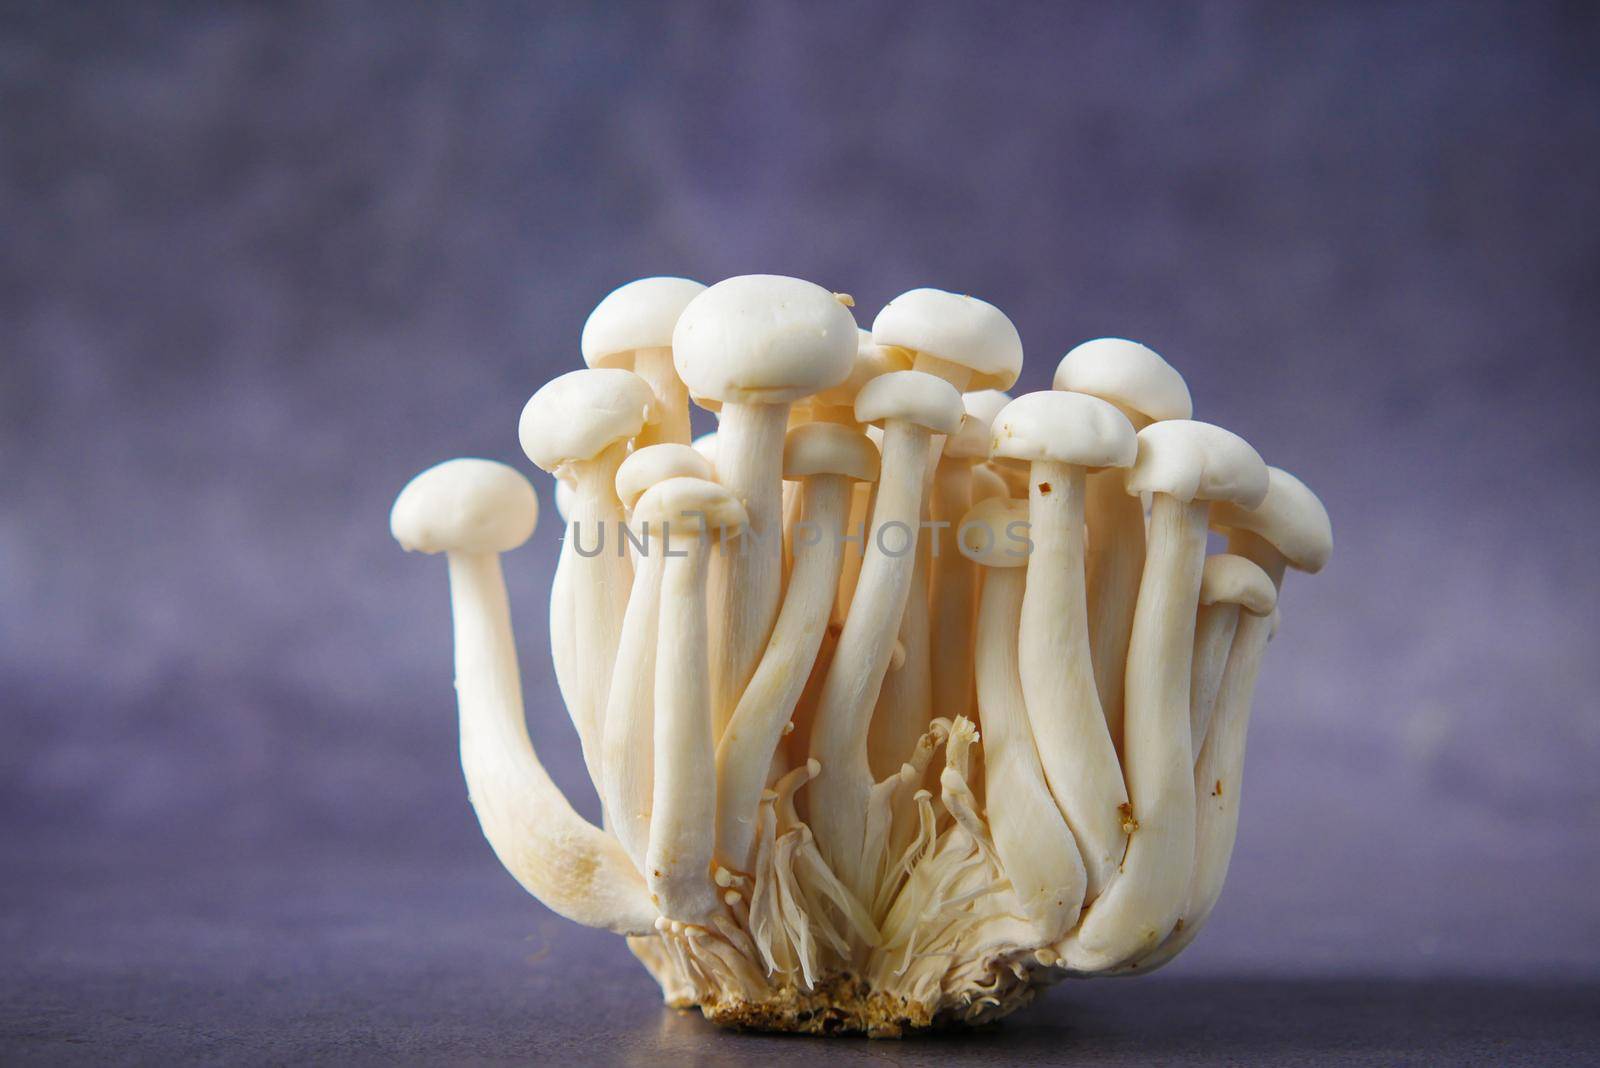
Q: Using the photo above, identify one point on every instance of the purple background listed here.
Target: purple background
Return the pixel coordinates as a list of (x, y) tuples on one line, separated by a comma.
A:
[(259, 265)]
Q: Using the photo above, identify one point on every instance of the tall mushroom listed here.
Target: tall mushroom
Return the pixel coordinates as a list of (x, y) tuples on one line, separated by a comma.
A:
[(756, 344), (1037, 850), (1063, 437), (1185, 466), (473, 510), (828, 460), (1148, 390), (1228, 585), (632, 329), (578, 427), (691, 512), (627, 754)]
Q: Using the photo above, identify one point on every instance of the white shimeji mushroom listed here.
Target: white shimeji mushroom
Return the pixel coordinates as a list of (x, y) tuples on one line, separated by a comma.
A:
[(1148, 390), (578, 427), (1037, 850), (1185, 466), (632, 329), (473, 510), (1290, 528), (627, 755), (756, 344), (691, 512), (1228, 585), (828, 460), (1064, 437)]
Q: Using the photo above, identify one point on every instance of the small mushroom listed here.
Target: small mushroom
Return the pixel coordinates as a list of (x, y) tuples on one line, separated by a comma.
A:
[(632, 329), (1185, 466), (828, 460), (578, 427), (1037, 849), (1063, 437), (1228, 585), (627, 754), (691, 512), (473, 510), (755, 344), (1148, 390), (1290, 528)]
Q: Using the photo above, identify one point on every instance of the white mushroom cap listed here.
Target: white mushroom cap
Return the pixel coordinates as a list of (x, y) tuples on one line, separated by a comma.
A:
[(871, 361), (577, 416), (923, 399), (691, 506), (656, 463), (1291, 518), (1195, 461), (639, 315), (1230, 579), (959, 329), (1128, 375), (1069, 428), (970, 441), (993, 533), (470, 506), (985, 404), (829, 449), (763, 339), (706, 445)]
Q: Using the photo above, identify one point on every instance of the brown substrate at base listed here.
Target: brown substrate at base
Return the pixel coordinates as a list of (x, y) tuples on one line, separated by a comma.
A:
[(843, 1005)]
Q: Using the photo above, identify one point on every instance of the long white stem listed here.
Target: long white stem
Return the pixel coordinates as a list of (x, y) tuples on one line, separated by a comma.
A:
[(569, 864), (564, 639), (1080, 762), (745, 750), (1116, 531), (629, 753), (855, 544), (684, 806), (905, 700), (672, 398), (952, 594), (600, 577), (746, 577), (844, 709), (1213, 638), (1036, 848), (1143, 903)]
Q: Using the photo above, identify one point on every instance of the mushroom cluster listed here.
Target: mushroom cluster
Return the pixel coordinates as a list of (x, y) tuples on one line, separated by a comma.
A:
[(902, 698)]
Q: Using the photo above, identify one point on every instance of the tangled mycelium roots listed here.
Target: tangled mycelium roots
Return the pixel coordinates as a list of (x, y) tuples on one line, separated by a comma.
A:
[(803, 833)]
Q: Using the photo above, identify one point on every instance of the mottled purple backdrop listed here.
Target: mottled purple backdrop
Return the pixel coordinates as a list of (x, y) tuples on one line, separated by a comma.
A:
[(261, 264)]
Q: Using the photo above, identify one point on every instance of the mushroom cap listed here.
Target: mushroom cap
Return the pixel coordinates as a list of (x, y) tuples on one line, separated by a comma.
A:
[(871, 361), (993, 533), (970, 441), (566, 497), (962, 330), (639, 315), (986, 482), (576, 416), (469, 506), (1195, 461), (706, 445), (915, 396), (829, 449), (1128, 375), (1230, 579), (1291, 518), (763, 339), (985, 404), (1069, 428), (692, 506), (656, 463)]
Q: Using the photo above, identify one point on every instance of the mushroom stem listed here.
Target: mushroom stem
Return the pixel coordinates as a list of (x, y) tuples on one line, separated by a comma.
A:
[(905, 700), (572, 866), (1036, 848), (1116, 530), (628, 755), (745, 750), (953, 594), (1140, 907), (746, 580), (1080, 763), (1213, 638), (600, 581), (855, 539), (671, 413), (1259, 551)]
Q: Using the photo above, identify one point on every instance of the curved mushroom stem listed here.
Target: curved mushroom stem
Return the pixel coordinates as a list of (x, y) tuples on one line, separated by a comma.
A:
[(1259, 551), (1036, 848), (844, 710), (684, 807), (1080, 762), (1116, 530), (746, 580), (1217, 777), (600, 577), (1213, 638), (953, 593), (672, 398), (628, 751), (905, 700), (563, 637), (855, 544), (1139, 909), (569, 864), (746, 748)]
